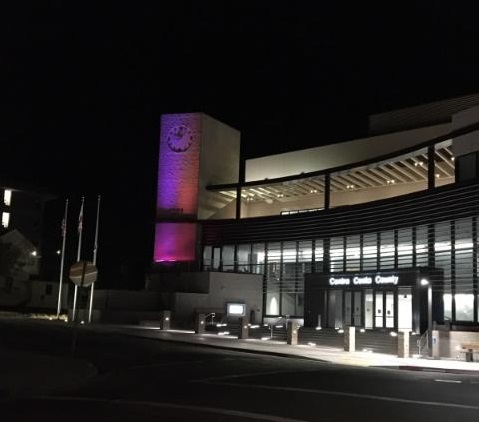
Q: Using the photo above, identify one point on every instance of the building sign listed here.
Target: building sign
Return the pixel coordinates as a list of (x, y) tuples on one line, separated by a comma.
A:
[(364, 280)]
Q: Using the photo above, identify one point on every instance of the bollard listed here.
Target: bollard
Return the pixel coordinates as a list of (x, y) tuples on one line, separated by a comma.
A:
[(350, 339), (435, 344), (165, 320), (200, 323), (403, 344), (292, 333), (243, 332)]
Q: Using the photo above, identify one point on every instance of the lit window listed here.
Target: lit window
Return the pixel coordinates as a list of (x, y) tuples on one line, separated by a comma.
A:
[(5, 219), (7, 197)]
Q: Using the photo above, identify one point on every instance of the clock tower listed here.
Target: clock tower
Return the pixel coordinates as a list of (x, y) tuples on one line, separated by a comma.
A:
[(195, 151)]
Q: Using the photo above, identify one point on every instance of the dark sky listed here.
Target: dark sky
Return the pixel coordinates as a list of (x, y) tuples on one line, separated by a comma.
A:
[(83, 85)]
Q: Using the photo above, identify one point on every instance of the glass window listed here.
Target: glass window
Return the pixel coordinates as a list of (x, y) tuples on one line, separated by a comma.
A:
[(257, 259), (216, 258), (243, 258), (405, 248), (318, 256), (442, 251), (228, 256), (336, 254), (370, 252), (368, 309), (447, 299), (464, 307), (463, 255), (444, 167), (387, 250), (289, 279), (273, 278), (5, 219), (389, 309), (353, 251), (207, 263), (421, 246), (7, 197)]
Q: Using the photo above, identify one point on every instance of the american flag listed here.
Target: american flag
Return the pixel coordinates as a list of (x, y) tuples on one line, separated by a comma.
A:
[(80, 219)]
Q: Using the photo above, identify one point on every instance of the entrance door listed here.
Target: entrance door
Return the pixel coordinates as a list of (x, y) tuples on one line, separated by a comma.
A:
[(368, 309), (405, 308), (348, 302), (353, 308), (358, 309), (389, 310)]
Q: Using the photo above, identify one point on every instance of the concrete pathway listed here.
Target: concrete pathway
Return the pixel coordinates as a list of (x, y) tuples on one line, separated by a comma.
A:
[(325, 354)]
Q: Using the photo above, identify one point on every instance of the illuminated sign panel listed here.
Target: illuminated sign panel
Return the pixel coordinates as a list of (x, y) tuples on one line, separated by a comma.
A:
[(364, 280), (236, 309)]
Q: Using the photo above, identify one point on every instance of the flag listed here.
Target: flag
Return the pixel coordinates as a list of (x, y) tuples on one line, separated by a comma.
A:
[(80, 219)]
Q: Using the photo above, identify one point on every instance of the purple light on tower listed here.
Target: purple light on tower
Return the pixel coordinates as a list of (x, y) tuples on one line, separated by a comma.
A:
[(177, 195), (175, 242)]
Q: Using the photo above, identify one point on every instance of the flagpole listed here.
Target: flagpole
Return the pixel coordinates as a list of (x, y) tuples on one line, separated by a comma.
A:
[(80, 232), (95, 251), (64, 235)]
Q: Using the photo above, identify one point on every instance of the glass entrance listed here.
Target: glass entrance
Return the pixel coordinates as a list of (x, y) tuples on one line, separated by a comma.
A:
[(353, 308)]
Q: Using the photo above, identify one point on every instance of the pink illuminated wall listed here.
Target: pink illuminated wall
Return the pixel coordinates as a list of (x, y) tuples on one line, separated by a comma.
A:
[(175, 242), (177, 194)]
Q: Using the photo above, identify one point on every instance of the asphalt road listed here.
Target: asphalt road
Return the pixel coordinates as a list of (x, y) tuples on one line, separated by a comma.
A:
[(143, 380)]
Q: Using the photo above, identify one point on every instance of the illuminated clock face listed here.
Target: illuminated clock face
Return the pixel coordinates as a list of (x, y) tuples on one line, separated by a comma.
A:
[(180, 138)]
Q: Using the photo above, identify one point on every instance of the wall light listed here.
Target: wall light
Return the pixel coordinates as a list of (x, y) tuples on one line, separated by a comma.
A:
[(424, 282)]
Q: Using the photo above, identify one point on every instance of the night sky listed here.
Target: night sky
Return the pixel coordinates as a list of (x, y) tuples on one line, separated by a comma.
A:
[(83, 86)]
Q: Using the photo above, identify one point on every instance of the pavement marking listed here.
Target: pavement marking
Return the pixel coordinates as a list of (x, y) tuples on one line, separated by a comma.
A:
[(450, 381), (220, 411), (345, 394)]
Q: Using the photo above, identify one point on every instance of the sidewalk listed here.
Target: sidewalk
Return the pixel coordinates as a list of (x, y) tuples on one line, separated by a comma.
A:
[(26, 373), (276, 348)]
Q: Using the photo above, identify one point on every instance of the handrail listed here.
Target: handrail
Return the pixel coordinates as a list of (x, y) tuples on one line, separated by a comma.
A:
[(385, 157)]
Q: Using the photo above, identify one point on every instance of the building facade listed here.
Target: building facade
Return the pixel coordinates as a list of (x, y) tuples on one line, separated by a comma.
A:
[(379, 232)]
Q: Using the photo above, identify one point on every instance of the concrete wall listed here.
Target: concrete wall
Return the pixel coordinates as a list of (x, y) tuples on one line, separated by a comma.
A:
[(466, 144), (329, 156), (446, 344), (219, 164), (128, 300), (223, 288)]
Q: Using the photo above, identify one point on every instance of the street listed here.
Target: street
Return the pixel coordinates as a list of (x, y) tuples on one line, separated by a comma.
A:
[(146, 379)]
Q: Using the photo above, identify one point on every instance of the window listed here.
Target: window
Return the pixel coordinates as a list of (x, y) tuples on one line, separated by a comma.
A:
[(7, 197), (336, 254), (5, 219), (353, 252), (464, 307), (228, 257), (404, 248), (243, 258), (370, 252), (387, 250), (207, 256)]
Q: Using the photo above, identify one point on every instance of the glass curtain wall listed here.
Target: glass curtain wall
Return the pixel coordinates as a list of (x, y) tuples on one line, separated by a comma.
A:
[(453, 247)]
